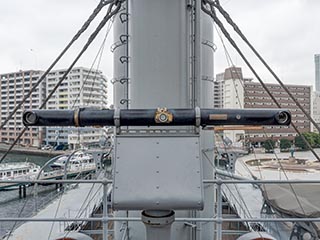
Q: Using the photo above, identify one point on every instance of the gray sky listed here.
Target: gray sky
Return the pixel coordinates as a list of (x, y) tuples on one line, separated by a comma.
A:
[(286, 32)]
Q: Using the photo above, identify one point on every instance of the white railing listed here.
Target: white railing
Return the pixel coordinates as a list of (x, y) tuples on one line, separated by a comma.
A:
[(218, 219)]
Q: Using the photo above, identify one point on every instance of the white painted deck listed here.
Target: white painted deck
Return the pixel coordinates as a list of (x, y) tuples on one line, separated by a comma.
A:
[(72, 205)]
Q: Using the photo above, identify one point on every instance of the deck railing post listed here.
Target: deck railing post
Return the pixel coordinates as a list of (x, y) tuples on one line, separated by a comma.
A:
[(219, 211), (105, 209), (35, 197)]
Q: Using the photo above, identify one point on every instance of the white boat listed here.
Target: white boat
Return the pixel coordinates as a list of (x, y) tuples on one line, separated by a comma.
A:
[(18, 171), (78, 161)]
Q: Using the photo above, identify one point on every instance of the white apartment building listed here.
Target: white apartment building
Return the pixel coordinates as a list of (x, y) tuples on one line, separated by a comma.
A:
[(315, 110), (14, 86), (82, 88), (233, 97), (218, 90)]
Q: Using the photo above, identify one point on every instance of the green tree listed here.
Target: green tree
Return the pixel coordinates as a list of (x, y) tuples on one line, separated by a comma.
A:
[(269, 145), (300, 143), (310, 137), (285, 143)]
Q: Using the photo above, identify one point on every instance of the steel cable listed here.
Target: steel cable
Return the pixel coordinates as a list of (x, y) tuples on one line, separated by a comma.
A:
[(217, 5), (232, 42), (227, 35), (112, 10), (75, 38)]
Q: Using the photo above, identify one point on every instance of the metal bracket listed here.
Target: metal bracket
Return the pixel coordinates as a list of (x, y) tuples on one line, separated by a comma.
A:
[(124, 38), (207, 78), (76, 117), (123, 17), (123, 101), (124, 59), (116, 117), (210, 45), (198, 119), (122, 80), (162, 115)]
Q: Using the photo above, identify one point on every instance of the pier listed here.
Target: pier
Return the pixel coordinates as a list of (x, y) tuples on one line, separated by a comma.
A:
[(52, 175)]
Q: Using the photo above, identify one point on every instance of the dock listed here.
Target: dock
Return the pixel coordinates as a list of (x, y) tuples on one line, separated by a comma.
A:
[(52, 175)]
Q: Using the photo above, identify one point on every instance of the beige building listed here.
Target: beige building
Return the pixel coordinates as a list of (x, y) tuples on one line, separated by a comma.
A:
[(239, 92), (257, 97), (14, 86), (83, 88)]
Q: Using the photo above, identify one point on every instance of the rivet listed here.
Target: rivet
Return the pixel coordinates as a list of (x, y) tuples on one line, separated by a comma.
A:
[(157, 203), (157, 156), (157, 171), (158, 187)]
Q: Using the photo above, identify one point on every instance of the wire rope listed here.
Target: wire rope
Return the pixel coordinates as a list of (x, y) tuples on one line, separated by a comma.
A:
[(235, 46), (112, 10), (84, 27), (279, 162)]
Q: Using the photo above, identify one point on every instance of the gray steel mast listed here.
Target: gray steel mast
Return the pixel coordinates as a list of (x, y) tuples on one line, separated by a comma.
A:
[(160, 63), (163, 97)]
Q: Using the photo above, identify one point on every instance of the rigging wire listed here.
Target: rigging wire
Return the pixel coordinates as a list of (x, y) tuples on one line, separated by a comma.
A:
[(243, 37), (279, 162), (232, 42), (112, 10), (84, 27), (109, 15), (100, 51), (100, 57)]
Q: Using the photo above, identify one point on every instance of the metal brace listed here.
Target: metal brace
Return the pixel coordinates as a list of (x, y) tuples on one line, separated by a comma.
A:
[(198, 119), (116, 118), (76, 117), (123, 17), (124, 59), (124, 38), (122, 80)]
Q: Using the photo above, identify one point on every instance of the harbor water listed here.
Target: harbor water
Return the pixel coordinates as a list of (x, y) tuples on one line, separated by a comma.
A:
[(10, 203)]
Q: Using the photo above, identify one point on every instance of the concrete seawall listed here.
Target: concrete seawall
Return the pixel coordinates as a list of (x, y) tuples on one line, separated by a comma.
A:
[(30, 150)]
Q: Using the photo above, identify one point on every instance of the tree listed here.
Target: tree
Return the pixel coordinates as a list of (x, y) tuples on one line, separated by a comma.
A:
[(269, 145), (300, 143), (285, 144)]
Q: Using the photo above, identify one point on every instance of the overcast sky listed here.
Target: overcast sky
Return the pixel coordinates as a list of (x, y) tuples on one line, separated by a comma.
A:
[(286, 33)]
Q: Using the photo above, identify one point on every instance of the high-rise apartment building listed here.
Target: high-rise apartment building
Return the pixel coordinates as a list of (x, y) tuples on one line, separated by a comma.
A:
[(14, 86), (316, 110), (83, 88), (244, 93), (218, 90), (257, 97), (317, 71)]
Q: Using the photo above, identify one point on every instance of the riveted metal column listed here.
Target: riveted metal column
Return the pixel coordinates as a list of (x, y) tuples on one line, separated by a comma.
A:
[(158, 224), (219, 211), (105, 210)]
